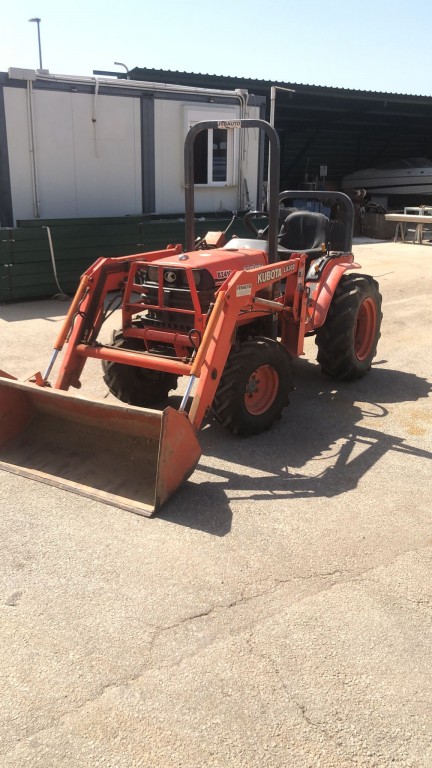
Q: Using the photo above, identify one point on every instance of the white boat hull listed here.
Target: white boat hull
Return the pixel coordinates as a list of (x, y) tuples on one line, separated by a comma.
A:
[(397, 181)]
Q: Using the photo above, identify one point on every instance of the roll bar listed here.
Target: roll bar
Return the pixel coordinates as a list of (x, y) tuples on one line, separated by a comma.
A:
[(274, 197), (328, 197), (273, 191)]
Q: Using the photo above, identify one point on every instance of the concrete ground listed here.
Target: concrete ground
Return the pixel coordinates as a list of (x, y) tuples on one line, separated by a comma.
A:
[(278, 612)]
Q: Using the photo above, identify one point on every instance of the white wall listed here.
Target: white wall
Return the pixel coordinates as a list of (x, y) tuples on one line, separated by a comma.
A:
[(86, 168), (82, 168), (172, 121)]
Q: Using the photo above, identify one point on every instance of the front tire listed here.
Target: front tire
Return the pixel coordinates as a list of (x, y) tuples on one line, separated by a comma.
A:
[(347, 342), (134, 385), (254, 387)]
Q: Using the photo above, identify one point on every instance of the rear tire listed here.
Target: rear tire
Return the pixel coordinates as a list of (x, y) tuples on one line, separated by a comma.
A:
[(134, 385), (254, 387), (347, 342)]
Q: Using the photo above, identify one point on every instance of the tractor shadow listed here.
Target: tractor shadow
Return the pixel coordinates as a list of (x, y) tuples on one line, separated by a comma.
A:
[(320, 448)]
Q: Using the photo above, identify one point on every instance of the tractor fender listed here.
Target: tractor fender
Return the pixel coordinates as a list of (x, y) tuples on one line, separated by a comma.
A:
[(324, 291)]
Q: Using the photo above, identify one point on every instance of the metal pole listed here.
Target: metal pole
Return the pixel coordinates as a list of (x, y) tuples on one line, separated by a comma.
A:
[(120, 64), (39, 43), (38, 21), (273, 90), (272, 104)]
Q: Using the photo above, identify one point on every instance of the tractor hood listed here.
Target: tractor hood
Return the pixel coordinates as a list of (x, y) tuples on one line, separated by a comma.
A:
[(220, 262)]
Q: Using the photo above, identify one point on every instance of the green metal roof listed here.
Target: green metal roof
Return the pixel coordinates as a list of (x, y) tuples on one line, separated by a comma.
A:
[(319, 125)]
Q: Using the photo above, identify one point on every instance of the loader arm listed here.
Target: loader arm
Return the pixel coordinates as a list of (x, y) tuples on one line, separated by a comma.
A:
[(239, 298), (106, 275)]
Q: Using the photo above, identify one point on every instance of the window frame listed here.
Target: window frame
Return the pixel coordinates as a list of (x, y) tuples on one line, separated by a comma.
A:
[(195, 115)]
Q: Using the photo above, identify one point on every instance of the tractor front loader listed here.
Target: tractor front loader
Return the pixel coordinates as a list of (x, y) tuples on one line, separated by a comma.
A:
[(228, 314)]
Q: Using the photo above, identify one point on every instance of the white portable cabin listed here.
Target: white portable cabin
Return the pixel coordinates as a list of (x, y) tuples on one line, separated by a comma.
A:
[(73, 147)]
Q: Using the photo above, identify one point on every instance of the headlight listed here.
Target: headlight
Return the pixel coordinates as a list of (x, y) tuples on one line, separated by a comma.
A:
[(201, 277), (196, 274), (152, 274)]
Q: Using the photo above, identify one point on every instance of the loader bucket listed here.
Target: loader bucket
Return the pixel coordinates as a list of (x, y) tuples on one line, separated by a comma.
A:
[(128, 457)]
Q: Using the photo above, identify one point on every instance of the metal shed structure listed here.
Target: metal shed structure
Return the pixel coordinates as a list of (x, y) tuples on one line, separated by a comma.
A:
[(342, 130)]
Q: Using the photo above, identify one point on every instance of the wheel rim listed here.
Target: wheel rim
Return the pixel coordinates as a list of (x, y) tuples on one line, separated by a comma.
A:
[(261, 390), (365, 329)]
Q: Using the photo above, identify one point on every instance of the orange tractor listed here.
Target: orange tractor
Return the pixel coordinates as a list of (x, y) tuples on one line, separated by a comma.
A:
[(229, 314)]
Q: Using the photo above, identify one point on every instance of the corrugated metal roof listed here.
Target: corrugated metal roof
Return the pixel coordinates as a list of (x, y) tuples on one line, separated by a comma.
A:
[(163, 74)]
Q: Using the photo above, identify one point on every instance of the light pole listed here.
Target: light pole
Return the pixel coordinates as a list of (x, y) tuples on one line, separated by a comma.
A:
[(120, 64), (38, 21)]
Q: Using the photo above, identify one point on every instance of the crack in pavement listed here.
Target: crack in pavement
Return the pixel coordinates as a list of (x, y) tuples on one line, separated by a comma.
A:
[(277, 584), (349, 576), (301, 708), (158, 631)]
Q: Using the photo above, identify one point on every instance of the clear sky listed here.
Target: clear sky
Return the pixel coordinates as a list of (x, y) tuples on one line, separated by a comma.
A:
[(377, 45)]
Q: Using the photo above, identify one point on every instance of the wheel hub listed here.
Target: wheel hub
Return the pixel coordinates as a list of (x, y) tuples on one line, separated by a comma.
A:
[(261, 389), (364, 333)]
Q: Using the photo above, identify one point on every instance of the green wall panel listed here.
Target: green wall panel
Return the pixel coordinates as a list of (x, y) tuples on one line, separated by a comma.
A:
[(26, 270)]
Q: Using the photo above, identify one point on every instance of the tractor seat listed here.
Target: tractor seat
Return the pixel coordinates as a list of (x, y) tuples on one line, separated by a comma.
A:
[(303, 232)]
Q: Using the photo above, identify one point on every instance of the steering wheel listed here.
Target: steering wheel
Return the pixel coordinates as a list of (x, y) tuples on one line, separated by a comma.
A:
[(260, 234)]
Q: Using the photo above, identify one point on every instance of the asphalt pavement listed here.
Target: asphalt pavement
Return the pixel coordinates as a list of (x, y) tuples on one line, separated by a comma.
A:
[(277, 612)]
